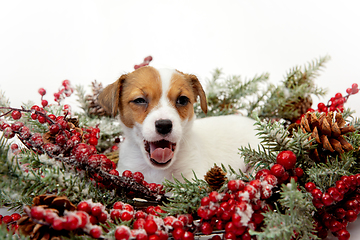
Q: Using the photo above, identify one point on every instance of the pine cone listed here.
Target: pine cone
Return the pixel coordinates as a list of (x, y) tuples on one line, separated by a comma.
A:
[(38, 231), (215, 177), (91, 100), (328, 134)]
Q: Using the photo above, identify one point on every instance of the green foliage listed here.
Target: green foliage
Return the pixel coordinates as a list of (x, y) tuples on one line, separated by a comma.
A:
[(9, 235), (324, 175), (274, 139), (229, 95), (186, 196), (295, 217), (38, 174), (281, 102)]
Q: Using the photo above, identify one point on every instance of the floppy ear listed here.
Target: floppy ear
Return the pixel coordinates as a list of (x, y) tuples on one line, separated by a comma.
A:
[(199, 91), (109, 98)]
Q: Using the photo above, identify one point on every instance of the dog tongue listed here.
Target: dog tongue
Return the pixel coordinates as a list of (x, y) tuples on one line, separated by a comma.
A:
[(162, 155)]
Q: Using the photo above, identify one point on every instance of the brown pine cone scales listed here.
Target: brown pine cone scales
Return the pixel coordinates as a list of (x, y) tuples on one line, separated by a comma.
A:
[(37, 231), (92, 103), (215, 177), (328, 131)]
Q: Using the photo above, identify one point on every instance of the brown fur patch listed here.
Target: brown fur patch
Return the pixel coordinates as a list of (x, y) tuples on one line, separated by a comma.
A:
[(181, 86), (142, 83)]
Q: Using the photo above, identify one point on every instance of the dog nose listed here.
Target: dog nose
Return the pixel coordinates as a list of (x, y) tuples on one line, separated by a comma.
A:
[(163, 126)]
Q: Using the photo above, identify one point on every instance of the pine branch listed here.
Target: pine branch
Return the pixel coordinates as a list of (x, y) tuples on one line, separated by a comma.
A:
[(296, 218), (81, 93), (324, 175), (9, 234), (186, 196), (276, 138)]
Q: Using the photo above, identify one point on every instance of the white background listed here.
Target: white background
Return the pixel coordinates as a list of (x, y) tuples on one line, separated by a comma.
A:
[(45, 42)]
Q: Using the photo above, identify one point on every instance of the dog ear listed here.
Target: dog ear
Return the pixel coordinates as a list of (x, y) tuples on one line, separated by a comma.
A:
[(109, 98), (199, 91)]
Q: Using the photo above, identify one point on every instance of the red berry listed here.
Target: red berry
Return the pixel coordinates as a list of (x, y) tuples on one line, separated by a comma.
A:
[(277, 170), (262, 173), (205, 201), (15, 216), (118, 205), (178, 233), (7, 219), (138, 177), (37, 212), (93, 141), (54, 129), (343, 234), (150, 226), (96, 211), (327, 199), (96, 232), (188, 236), (206, 228), (338, 95), (16, 126), (84, 218), (16, 115), (71, 222), (321, 106), (351, 215), (115, 214), (57, 224), (42, 91), (41, 119), (335, 194), (316, 193), (139, 223), (44, 103), (214, 196), (286, 159), (299, 172), (126, 216), (127, 173)]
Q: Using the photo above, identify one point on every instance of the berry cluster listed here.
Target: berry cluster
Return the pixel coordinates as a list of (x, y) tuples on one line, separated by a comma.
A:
[(336, 103), (88, 217), (66, 142), (338, 206), (65, 91), (284, 169), (239, 208), (10, 221), (146, 62)]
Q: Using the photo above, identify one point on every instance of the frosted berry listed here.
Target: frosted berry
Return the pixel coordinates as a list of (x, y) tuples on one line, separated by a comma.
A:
[(178, 233), (277, 170), (150, 226), (16, 115), (71, 222), (286, 159), (127, 173), (54, 129), (126, 216), (188, 236), (96, 211), (57, 224), (138, 177), (206, 228), (95, 232), (42, 91)]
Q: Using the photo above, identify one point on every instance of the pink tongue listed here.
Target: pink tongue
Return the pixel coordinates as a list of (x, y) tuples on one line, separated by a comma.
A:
[(162, 155)]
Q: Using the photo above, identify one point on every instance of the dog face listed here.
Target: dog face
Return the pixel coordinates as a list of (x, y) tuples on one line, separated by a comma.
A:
[(156, 110)]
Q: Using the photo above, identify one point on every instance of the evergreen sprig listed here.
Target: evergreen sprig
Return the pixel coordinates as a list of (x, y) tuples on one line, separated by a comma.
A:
[(186, 196), (296, 217), (275, 137), (229, 95)]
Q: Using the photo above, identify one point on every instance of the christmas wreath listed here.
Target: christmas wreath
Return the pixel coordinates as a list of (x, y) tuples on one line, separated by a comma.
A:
[(61, 179)]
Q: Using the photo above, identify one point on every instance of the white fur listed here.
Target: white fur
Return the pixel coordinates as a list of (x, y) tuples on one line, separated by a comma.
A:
[(200, 143)]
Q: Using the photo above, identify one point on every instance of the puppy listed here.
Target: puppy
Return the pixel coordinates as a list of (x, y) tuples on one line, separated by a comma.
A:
[(162, 137)]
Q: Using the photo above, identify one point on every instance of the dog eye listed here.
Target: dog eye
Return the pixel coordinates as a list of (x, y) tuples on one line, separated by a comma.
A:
[(139, 101), (182, 101)]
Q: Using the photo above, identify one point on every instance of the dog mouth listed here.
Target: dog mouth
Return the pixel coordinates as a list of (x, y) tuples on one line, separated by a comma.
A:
[(160, 152)]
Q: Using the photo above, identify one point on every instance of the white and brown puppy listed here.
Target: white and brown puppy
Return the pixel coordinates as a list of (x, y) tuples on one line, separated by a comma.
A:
[(162, 137)]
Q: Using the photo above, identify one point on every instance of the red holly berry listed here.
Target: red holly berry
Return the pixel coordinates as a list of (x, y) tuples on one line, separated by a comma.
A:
[(16, 115), (277, 170), (42, 91), (178, 233), (96, 232), (150, 226), (206, 228), (127, 173), (138, 177), (44, 103), (286, 159), (343, 234), (37, 212)]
